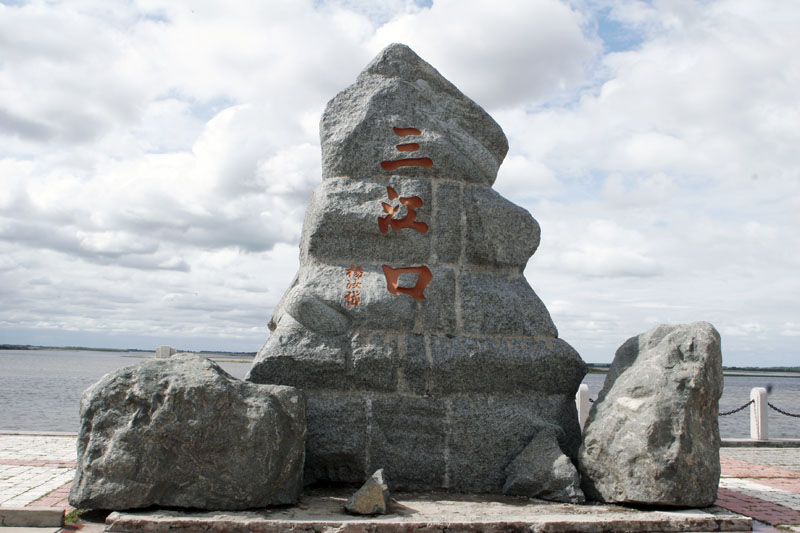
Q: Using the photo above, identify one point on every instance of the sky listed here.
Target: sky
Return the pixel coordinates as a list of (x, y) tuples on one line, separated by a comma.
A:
[(157, 157)]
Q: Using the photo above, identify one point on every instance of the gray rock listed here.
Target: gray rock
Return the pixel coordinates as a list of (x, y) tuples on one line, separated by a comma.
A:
[(398, 89), (448, 231), (181, 432), (315, 314), (487, 431), (410, 325), (489, 364), (503, 305), (371, 498), (542, 470), (339, 427), (300, 356), (499, 233), (652, 436), (417, 363), (341, 222), (460, 443)]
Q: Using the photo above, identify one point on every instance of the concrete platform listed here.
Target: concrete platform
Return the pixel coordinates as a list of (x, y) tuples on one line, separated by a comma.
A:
[(31, 516), (760, 482), (432, 513), (752, 443)]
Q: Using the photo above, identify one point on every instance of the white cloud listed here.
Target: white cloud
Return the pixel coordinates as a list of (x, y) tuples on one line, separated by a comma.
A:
[(522, 176), (501, 55), (156, 158), (603, 249)]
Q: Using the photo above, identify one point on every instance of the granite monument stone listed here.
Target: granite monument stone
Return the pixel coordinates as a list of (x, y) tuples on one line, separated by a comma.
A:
[(410, 326)]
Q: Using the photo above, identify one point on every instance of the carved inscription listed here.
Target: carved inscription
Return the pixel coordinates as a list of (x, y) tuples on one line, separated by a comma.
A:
[(424, 276), (426, 162), (408, 147), (412, 203), (394, 164), (353, 295), (404, 132), (409, 221)]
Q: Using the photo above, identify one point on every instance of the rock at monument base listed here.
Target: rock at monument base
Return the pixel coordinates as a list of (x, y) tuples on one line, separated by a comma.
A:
[(181, 432), (460, 443), (543, 471), (372, 497), (652, 436)]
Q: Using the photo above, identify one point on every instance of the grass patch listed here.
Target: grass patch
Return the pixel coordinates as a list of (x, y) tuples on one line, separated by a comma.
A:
[(86, 515), (74, 515)]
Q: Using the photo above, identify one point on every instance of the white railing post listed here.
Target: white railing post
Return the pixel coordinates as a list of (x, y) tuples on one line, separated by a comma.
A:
[(165, 352), (759, 429), (582, 403)]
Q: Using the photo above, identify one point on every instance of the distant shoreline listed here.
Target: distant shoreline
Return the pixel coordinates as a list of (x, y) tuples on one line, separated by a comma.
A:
[(594, 368), (732, 371), (119, 350)]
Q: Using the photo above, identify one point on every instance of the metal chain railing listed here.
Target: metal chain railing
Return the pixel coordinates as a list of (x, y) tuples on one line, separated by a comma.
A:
[(781, 411), (726, 413), (733, 411), (744, 406)]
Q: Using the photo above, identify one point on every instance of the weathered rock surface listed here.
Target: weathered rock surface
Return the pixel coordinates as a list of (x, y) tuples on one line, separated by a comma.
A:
[(181, 432), (372, 497), (410, 325), (543, 471), (652, 436)]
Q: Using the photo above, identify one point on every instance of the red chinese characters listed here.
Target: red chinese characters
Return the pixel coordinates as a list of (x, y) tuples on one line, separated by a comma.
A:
[(353, 295), (409, 221), (412, 203), (417, 291), (394, 164)]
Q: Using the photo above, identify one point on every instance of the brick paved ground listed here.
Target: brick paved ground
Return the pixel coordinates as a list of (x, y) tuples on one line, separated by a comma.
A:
[(36, 470), (763, 483), (783, 458)]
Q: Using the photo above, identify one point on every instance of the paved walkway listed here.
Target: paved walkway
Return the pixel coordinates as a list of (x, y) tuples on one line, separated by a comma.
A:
[(763, 483), (36, 470)]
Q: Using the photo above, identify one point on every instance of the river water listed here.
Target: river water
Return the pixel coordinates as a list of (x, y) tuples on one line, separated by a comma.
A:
[(40, 390)]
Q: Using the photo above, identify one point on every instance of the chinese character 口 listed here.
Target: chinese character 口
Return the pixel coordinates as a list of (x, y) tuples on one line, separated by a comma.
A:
[(424, 276)]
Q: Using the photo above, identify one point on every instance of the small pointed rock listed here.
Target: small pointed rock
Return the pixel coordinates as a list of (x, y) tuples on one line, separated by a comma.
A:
[(371, 498)]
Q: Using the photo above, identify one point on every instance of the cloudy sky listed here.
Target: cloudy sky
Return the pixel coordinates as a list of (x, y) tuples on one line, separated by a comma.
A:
[(156, 159)]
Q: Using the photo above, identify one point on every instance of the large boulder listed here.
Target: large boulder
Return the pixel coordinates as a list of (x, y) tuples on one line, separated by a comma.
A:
[(419, 343), (652, 436), (181, 432)]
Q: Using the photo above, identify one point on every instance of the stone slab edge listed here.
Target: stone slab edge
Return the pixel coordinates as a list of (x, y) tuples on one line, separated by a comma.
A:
[(715, 519), (752, 443), (31, 516)]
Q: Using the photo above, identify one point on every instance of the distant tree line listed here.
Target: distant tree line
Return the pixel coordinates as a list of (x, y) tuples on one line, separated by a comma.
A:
[(87, 349), (602, 368)]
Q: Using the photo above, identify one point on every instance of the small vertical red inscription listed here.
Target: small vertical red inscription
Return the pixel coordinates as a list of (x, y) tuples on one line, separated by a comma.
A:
[(353, 295)]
